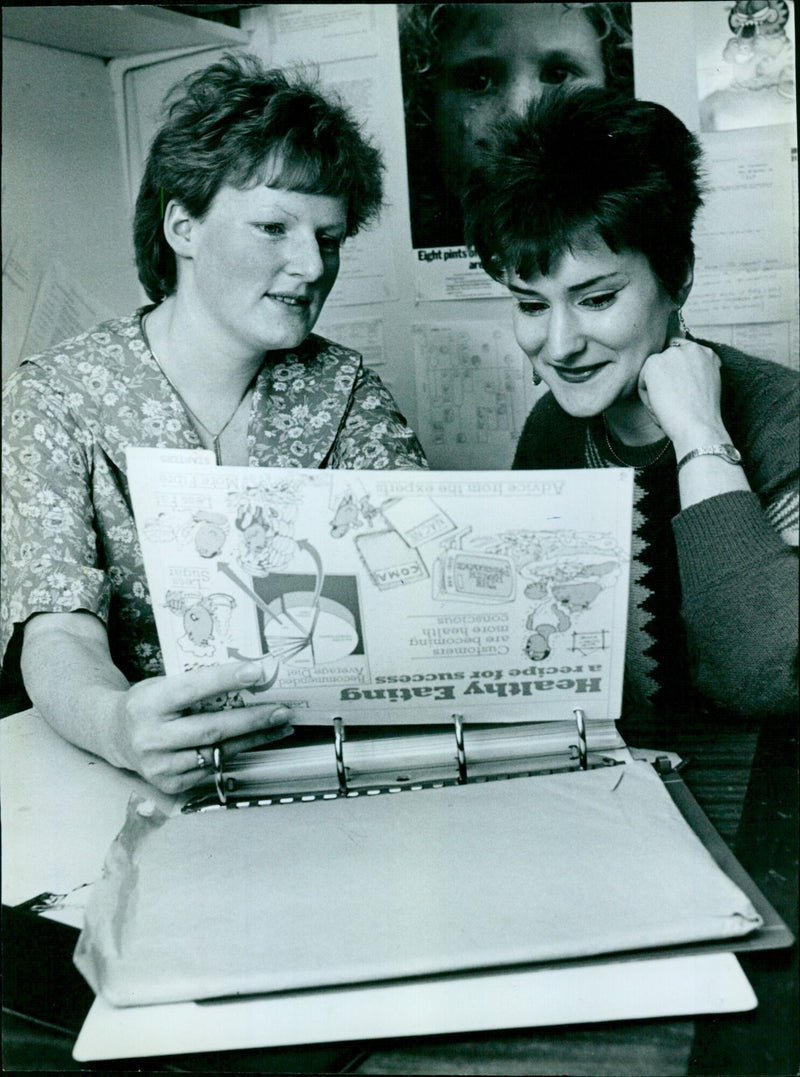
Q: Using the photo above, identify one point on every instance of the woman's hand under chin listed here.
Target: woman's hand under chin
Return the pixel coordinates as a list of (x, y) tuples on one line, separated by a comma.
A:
[(680, 387)]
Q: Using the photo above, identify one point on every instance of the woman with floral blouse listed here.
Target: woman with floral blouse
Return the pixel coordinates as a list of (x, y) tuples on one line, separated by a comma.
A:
[(251, 186)]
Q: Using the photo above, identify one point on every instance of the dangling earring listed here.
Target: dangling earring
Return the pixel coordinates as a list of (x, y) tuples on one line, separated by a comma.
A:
[(535, 378), (681, 323)]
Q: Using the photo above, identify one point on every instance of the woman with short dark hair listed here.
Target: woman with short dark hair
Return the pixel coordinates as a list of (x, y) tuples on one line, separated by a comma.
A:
[(252, 185), (584, 209)]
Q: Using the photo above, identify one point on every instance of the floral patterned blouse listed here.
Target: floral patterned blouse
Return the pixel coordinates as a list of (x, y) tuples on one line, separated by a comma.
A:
[(69, 538)]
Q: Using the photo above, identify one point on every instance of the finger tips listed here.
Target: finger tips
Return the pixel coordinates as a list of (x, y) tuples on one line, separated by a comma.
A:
[(249, 673), (261, 739), (177, 783), (225, 726), (186, 689), (281, 714), (260, 716)]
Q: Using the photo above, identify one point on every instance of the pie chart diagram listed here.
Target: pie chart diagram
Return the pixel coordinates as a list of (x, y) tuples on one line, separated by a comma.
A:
[(305, 632)]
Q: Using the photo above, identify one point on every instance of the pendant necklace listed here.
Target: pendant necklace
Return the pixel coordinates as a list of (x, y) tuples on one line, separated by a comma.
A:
[(199, 422), (626, 463)]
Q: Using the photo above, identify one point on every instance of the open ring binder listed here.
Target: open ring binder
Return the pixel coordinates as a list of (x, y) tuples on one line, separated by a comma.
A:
[(448, 646), (407, 763)]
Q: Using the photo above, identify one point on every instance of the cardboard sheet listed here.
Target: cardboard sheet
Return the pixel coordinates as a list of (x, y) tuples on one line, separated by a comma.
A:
[(656, 987)]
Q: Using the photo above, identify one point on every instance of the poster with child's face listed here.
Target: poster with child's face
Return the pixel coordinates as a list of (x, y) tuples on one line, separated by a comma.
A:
[(465, 66)]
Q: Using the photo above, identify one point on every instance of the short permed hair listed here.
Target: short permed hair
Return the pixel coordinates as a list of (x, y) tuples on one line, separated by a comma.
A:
[(239, 124), (582, 163)]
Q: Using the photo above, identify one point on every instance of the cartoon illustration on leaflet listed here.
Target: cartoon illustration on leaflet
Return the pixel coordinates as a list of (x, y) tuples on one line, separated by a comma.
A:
[(391, 553), (352, 513), (205, 618), (562, 574), (212, 531), (469, 576), (206, 531), (265, 518), (300, 624)]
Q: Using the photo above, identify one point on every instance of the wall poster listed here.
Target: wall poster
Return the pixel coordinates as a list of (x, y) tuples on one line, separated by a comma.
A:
[(463, 67), (745, 64)]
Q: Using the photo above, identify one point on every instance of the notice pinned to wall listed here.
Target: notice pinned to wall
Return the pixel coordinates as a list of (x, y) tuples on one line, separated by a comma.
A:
[(746, 256), (334, 31), (367, 273), (62, 309), (464, 67), (452, 273), (364, 334), (474, 392), (769, 340)]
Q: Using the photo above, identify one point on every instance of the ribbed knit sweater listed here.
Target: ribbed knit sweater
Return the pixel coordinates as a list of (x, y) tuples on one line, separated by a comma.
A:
[(714, 588)]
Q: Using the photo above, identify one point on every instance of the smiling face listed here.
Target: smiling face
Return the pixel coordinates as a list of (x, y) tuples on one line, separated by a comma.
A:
[(590, 324), (503, 57), (258, 267)]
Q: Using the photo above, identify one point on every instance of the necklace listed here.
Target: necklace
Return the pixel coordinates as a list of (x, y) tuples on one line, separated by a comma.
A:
[(628, 463), (199, 422)]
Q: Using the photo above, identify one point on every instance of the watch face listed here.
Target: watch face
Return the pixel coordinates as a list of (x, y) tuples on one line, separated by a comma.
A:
[(732, 454)]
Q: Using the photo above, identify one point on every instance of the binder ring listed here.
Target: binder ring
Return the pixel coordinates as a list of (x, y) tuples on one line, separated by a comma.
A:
[(461, 755), (580, 722), (219, 774), (338, 747)]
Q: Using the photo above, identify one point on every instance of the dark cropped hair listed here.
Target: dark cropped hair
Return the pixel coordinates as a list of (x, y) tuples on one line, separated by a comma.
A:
[(586, 162), (238, 124)]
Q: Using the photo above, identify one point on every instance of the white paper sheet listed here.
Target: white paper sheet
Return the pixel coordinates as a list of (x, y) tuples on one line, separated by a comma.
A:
[(62, 807), (452, 273), (364, 334), (367, 273), (745, 69), (62, 309), (769, 340), (664, 987), (292, 33), (746, 268)]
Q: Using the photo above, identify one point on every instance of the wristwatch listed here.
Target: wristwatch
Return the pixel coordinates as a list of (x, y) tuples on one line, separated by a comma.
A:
[(726, 452)]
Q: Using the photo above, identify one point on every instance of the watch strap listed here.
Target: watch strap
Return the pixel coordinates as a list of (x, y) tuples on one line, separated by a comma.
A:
[(727, 452)]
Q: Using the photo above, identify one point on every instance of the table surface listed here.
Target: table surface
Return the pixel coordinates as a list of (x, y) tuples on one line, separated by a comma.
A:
[(33, 766)]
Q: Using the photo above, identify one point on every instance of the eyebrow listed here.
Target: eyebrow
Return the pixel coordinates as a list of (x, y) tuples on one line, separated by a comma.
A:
[(282, 209), (483, 50), (572, 288), (563, 56), (333, 226)]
